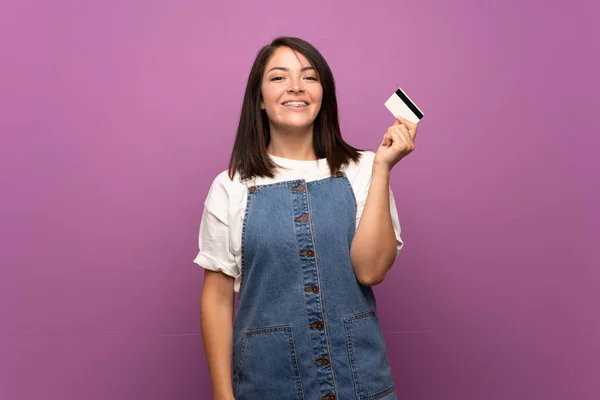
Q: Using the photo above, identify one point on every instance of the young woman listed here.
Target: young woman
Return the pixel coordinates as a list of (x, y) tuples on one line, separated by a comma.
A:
[(301, 226)]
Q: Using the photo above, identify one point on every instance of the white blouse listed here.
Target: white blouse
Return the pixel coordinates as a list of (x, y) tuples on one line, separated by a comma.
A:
[(220, 238)]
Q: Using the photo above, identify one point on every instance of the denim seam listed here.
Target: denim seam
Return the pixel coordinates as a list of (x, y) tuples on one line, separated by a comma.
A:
[(348, 320), (351, 358), (243, 249), (299, 386), (326, 330), (295, 181), (322, 180), (299, 264), (379, 395), (239, 366), (282, 183), (349, 186), (266, 331)]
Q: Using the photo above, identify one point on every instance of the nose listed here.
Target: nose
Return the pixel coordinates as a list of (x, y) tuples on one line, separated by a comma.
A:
[(295, 86)]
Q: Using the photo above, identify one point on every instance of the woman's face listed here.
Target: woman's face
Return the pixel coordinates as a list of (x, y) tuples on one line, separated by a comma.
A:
[(291, 90)]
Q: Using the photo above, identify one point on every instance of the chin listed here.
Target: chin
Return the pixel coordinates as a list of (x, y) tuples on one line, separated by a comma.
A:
[(300, 125)]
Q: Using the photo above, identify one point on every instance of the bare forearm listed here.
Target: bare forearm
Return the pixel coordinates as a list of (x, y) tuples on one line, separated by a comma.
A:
[(373, 249), (217, 336)]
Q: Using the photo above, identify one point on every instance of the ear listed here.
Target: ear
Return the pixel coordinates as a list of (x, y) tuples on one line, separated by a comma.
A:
[(262, 105)]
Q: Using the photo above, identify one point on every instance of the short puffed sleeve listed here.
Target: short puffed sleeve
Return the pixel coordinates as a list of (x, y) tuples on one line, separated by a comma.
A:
[(213, 239)]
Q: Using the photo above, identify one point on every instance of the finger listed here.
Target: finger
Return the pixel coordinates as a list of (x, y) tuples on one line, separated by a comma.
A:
[(404, 133), (413, 131), (400, 139), (409, 124), (404, 129), (410, 144), (407, 139), (386, 140), (412, 127)]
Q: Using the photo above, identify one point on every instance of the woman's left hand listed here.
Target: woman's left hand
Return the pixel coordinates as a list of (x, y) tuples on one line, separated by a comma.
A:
[(398, 142)]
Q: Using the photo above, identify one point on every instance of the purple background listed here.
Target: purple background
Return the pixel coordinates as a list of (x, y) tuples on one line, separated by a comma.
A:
[(117, 115)]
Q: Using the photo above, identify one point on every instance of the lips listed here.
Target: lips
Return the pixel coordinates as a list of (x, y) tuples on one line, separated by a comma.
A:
[(295, 103)]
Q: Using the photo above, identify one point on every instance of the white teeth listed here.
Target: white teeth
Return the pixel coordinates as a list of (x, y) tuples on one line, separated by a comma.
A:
[(295, 104)]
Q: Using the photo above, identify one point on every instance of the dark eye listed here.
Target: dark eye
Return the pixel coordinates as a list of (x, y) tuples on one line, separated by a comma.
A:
[(311, 77), (277, 78)]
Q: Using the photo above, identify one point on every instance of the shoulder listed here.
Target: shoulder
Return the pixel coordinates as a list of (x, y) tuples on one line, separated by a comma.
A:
[(222, 180), (359, 172), (223, 187), (367, 158)]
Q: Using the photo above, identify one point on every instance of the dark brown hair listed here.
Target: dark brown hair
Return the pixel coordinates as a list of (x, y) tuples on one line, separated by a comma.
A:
[(253, 134)]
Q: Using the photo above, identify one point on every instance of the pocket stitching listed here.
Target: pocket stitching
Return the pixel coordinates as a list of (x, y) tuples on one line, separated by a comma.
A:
[(348, 320), (265, 331), (239, 366), (295, 364)]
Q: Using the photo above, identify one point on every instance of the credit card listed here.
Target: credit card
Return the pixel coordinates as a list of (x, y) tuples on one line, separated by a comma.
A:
[(401, 105)]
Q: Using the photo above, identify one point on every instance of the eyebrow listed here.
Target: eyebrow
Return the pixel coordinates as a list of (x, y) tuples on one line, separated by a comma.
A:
[(287, 69)]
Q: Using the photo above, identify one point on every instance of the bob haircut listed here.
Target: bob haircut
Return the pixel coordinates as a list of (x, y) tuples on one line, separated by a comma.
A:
[(249, 154)]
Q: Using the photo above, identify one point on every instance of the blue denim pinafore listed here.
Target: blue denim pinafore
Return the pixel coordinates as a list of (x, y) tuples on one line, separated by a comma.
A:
[(305, 328)]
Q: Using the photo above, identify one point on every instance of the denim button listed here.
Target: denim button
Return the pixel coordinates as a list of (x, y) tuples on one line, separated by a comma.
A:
[(308, 253), (330, 396), (323, 361), (252, 189), (339, 174), (303, 218), (313, 288), (319, 325)]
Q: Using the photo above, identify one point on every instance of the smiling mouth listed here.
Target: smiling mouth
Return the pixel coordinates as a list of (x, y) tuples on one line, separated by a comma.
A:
[(295, 104)]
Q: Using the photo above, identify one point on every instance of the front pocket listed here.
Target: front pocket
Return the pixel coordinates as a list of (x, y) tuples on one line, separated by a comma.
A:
[(368, 357), (268, 368)]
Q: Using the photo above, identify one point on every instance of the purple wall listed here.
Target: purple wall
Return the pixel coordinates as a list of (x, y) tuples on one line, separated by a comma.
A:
[(116, 116)]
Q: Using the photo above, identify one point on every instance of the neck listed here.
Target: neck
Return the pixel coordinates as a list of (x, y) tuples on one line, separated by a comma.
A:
[(297, 145)]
